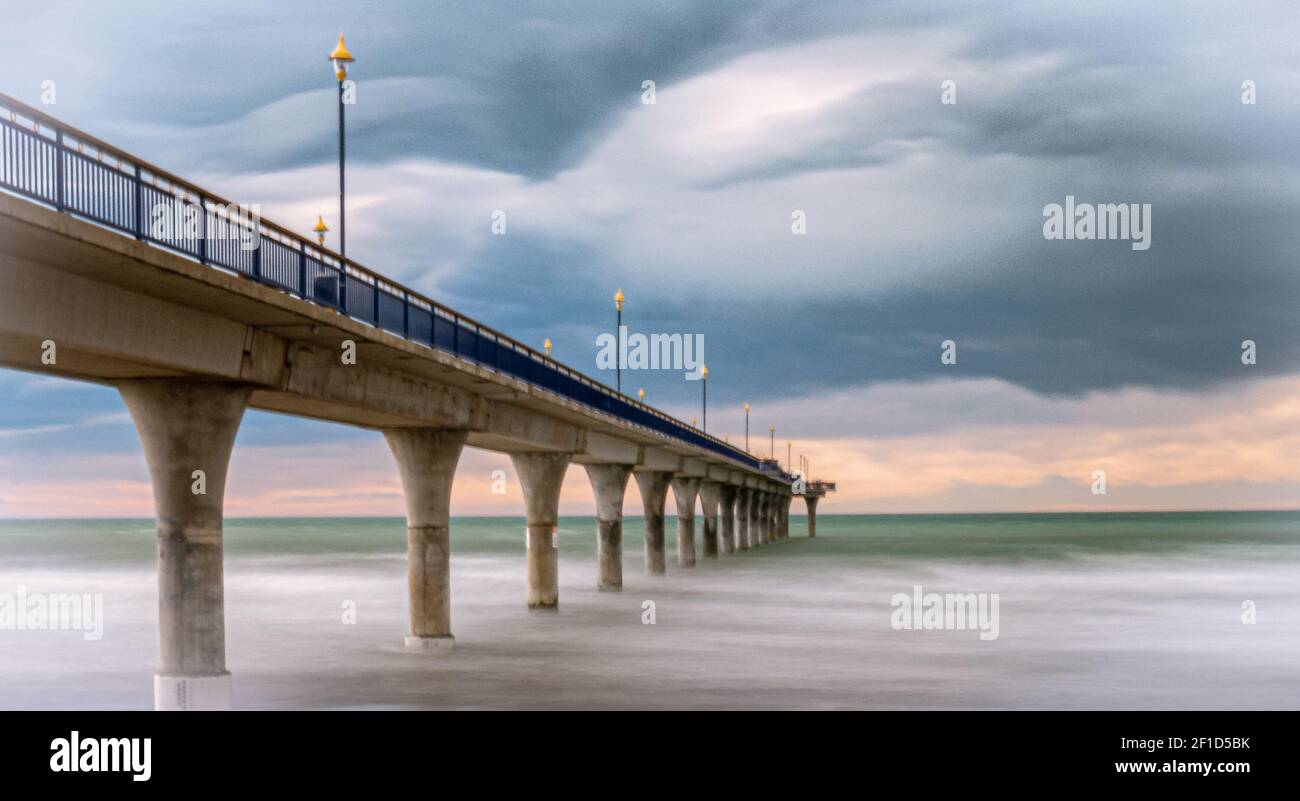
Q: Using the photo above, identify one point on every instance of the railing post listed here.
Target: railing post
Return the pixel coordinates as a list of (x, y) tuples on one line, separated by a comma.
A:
[(376, 303), (302, 270), (257, 258), (58, 169), (139, 205), (406, 315), (203, 230), (343, 286)]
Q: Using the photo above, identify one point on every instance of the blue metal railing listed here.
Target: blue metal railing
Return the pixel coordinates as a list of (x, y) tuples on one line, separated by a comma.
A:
[(44, 160)]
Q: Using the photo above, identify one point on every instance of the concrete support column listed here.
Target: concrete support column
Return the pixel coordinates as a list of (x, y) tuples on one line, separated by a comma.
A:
[(812, 514), (744, 499), (710, 494), (685, 491), (541, 476), (756, 535), (727, 510), (654, 492), (426, 460), (188, 429), (609, 483), (766, 515), (769, 515), (786, 500)]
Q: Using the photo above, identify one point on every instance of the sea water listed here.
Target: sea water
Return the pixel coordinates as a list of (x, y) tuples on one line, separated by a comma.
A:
[(1094, 611)]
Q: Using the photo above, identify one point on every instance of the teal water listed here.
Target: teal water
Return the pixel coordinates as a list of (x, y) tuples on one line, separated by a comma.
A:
[(1096, 611)]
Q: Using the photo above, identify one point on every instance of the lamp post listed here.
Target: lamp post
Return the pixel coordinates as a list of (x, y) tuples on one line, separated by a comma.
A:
[(640, 394), (704, 387), (320, 228), (773, 431), (341, 58), (746, 426), (618, 335), (547, 346)]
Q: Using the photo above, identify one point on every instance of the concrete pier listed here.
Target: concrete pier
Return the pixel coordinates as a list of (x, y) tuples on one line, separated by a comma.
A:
[(744, 498), (609, 483), (786, 500), (541, 476), (812, 500), (757, 535), (685, 491), (426, 460), (769, 516), (654, 492), (188, 429), (727, 515), (710, 494)]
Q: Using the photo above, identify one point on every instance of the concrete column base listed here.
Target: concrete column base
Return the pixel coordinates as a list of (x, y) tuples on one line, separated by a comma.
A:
[(543, 567), (192, 693), (442, 644)]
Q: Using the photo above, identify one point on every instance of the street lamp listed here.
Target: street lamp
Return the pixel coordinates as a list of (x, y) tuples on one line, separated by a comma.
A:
[(618, 335), (320, 228), (640, 393), (695, 422), (773, 430), (704, 387), (746, 426), (341, 58), (547, 346)]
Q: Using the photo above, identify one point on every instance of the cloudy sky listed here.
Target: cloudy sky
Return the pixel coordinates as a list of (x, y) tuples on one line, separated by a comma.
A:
[(924, 223)]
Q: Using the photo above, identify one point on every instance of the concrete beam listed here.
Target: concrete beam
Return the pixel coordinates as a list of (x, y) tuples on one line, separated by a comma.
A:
[(655, 459), (695, 468), (597, 448)]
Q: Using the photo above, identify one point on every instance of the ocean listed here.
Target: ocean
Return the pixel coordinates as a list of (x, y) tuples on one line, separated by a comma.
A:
[(1094, 611)]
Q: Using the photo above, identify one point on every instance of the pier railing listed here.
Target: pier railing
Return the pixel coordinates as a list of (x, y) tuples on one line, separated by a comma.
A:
[(52, 163)]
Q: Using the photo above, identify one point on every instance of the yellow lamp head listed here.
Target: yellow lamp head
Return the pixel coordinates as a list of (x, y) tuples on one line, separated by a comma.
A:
[(704, 372), (695, 422), (747, 406), (320, 228), (547, 345), (640, 393), (341, 58), (618, 300)]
